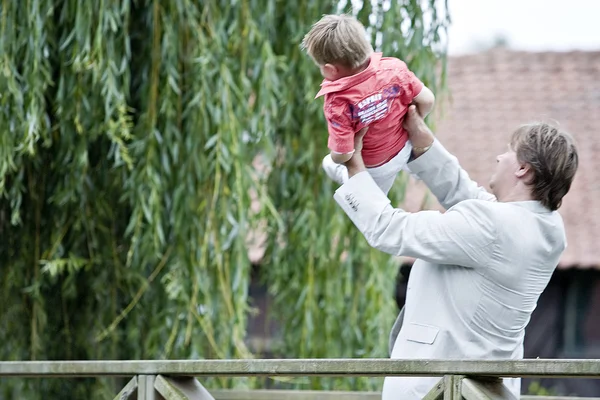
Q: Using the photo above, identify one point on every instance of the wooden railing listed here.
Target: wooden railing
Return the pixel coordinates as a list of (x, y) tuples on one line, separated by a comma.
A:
[(176, 380)]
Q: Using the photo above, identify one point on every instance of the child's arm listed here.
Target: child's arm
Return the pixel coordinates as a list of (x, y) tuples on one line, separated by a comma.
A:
[(415, 92), (424, 101), (341, 158), (341, 130)]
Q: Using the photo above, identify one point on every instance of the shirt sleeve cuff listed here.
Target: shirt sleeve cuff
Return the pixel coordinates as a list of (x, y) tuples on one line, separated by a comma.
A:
[(435, 154), (417, 88), (362, 200)]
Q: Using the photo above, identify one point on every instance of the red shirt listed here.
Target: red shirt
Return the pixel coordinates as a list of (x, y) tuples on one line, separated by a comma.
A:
[(377, 97)]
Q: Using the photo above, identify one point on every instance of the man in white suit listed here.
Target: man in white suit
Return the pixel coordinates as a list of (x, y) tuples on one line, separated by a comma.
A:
[(481, 265)]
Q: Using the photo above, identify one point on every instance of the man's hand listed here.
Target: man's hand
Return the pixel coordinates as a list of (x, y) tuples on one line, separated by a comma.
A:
[(358, 139), (419, 134), (356, 163)]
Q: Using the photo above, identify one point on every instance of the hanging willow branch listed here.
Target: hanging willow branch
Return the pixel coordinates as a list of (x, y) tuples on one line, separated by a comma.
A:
[(334, 295), (129, 134)]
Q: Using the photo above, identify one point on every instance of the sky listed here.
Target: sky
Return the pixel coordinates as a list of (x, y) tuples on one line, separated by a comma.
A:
[(532, 25)]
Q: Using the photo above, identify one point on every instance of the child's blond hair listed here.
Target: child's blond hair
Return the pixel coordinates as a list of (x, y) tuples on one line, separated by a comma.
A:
[(338, 39)]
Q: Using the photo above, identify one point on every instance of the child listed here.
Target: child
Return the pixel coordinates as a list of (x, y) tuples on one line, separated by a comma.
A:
[(362, 88)]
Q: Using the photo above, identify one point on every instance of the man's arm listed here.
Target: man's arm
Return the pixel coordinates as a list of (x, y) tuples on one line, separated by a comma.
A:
[(439, 169), (464, 235)]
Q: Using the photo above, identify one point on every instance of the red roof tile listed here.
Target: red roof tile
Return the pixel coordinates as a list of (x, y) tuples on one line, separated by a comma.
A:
[(494, 92)]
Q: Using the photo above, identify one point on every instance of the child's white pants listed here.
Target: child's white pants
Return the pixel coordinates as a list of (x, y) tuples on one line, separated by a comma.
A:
[(384, 175)]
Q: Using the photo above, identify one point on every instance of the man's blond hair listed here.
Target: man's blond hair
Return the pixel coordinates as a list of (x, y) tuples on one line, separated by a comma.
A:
[(552, 155), (338, 39)]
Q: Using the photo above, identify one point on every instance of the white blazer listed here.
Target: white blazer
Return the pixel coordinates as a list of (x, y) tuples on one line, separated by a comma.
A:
[(481, 266)]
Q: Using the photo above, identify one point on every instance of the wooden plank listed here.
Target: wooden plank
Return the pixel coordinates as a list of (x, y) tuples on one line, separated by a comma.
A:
[(452, 387), (305, 367), (129, 392), (183, 388), (485, 390), (146, 389), (271, 394), (437, 392), (557, 398)]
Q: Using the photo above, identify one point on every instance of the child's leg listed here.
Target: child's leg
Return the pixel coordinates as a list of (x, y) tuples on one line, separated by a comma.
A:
[(385, 182), (385, 175)]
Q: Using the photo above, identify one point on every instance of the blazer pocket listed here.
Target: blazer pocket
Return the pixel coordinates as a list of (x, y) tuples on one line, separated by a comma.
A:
[(419, 333)]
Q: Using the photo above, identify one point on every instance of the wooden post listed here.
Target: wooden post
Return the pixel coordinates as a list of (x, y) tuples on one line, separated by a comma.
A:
[(182, 388), (129, 391), (486, 389), (437, 392), (146, 389), (452, 389)]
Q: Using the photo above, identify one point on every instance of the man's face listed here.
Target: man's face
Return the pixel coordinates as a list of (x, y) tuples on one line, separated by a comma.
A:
[(506, 174)]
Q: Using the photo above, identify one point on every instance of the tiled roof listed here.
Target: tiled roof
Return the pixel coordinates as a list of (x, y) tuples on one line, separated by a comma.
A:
[(494, 92)]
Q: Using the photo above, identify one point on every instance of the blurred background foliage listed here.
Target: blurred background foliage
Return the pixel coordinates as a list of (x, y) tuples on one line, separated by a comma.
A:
[(141, 143)]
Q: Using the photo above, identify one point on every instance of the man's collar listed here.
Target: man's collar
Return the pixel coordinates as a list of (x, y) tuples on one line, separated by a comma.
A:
[(531, 205)]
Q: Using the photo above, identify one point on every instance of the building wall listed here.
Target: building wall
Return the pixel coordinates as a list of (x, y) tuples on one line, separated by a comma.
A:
[(565, 324)]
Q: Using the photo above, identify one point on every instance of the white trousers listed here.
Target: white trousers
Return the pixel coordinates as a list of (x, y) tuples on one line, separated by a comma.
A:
[(384, 175)]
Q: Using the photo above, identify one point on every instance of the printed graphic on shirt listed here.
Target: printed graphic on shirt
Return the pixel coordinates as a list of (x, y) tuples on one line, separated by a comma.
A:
[(375, 106)]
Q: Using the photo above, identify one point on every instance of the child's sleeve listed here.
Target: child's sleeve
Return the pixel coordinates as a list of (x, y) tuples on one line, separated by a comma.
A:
[(340, 127), (411, 85)]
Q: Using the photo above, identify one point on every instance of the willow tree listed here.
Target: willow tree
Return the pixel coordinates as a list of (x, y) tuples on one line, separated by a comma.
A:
[(128, 131)]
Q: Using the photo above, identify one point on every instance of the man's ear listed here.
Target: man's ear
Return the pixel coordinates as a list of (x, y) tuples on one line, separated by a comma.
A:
[(523, 171)]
